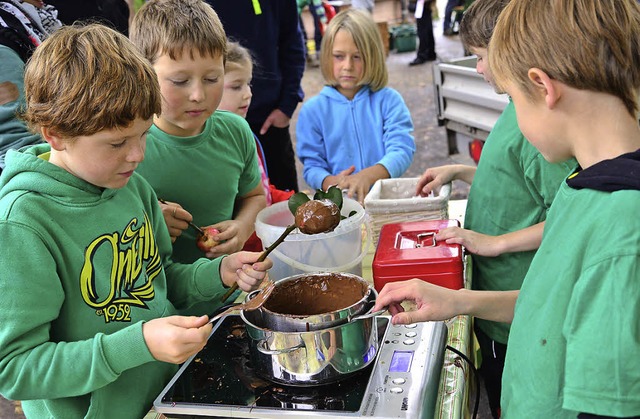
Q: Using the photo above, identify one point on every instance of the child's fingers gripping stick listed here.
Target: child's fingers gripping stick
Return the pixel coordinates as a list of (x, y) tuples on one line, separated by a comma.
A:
[(174, 339)]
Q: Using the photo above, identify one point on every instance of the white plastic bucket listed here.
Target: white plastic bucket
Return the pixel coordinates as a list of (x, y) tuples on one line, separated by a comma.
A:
[(340, 250)]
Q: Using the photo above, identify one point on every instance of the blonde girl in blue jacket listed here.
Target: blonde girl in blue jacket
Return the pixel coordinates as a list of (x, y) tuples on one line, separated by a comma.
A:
[(356, 130)]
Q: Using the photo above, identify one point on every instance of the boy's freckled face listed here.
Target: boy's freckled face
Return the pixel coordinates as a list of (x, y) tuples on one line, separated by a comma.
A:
[(191, 91), (237, 89), (107, 158), (348, 66)]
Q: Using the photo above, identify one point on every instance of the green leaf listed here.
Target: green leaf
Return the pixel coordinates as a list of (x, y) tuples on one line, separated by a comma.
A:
[(296, 200), (351, 214), (333, 194)]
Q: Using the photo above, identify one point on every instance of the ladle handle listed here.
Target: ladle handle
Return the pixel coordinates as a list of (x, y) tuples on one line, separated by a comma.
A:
[(262, 257)]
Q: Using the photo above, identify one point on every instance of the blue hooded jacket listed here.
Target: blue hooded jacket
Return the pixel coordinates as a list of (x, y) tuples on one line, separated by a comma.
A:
[(334, 133)]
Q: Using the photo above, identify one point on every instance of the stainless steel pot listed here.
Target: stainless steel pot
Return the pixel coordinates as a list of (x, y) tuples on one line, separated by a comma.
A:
[(313, 301), (314, 357)]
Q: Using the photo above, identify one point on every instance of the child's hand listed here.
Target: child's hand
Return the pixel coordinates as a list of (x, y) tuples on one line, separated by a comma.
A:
[(176, 218), (277, 118), (335, 180), (174, 339), (242, 268), (476, 243), (229, 239), (357, 186), (433, 302), (433, 178)]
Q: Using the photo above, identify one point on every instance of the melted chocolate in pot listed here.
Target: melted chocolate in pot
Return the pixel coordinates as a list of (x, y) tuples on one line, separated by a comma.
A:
[(312, 295)]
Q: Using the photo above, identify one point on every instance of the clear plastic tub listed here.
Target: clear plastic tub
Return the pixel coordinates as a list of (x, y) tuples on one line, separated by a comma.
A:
[(340, 250)]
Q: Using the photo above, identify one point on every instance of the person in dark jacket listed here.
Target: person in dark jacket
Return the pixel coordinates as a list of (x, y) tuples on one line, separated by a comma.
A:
[(113, 13), (271, 31)]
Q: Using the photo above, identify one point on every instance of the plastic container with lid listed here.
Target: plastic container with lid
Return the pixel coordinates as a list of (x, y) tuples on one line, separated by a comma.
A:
[(340, 250)]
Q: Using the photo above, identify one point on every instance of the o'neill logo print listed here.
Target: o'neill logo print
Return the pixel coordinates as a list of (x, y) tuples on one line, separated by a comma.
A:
[(135, 262)]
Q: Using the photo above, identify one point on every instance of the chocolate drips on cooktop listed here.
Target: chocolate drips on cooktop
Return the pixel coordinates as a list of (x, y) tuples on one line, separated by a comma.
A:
[(311, 295)]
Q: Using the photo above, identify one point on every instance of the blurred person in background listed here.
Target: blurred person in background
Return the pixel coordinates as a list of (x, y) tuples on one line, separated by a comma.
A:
[(271, 31)]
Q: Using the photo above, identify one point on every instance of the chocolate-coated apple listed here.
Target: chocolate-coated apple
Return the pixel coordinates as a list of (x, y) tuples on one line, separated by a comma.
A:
[(317, 216)]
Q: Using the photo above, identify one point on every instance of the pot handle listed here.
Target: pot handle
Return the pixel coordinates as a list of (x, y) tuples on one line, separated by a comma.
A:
[(367, 315), (261, 345)]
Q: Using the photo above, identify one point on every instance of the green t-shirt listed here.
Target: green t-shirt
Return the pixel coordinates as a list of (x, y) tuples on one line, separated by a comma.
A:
[(205, 173), (575, 339), (512, 189)]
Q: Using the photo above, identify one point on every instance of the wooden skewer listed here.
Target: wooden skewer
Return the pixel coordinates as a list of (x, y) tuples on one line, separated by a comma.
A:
[(262, 257), (198, 229)]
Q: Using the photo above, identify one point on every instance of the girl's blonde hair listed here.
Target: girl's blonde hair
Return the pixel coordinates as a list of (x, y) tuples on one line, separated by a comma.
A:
[(585, 44), (366, 36)]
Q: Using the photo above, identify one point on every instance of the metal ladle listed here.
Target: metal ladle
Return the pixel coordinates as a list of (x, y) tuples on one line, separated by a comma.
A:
[(253, 304), (315, 229)]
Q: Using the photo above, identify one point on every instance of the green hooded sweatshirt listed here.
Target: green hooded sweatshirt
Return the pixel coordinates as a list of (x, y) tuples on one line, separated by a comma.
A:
[(81, 269)]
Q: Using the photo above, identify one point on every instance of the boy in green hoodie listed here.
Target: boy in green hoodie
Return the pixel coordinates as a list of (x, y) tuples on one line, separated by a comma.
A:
[(572, 69), (89, 290)]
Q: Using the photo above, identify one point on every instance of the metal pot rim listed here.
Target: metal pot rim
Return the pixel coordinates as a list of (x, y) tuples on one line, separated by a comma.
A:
[(270, 331), (305, 318)]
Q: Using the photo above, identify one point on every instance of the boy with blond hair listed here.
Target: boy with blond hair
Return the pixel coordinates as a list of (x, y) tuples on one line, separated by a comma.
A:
[(89, 291), (201, 161), (512, 189), (572, 69)]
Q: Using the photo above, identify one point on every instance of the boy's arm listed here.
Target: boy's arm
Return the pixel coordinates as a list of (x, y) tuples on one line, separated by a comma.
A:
[(248, 206), (249, 202), (234, 233), (484, 245), (434, 303), (32, 364)]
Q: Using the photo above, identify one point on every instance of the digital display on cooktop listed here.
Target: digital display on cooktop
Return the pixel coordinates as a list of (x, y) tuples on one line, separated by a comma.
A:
[(222, 375), (401, 361)]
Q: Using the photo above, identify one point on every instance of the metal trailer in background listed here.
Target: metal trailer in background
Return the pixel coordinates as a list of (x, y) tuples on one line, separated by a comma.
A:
[(466, 105)]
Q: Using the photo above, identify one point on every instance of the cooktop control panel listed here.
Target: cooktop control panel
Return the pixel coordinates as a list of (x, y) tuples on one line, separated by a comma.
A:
[(406, 377)]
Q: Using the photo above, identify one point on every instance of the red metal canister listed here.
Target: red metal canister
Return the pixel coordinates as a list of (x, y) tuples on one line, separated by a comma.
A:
[(409, 250)]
